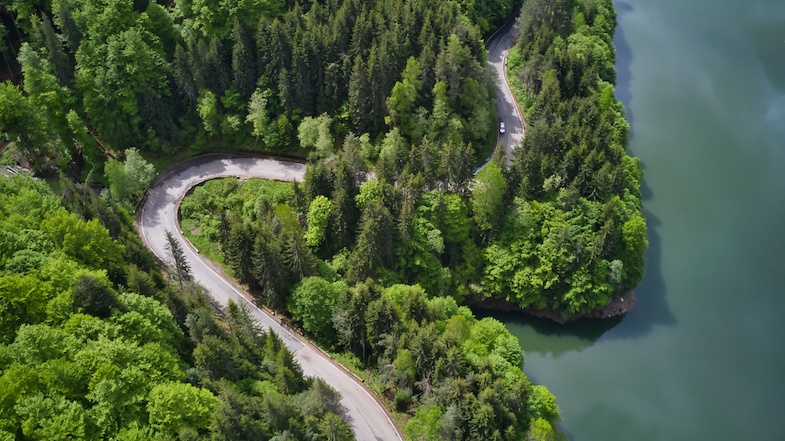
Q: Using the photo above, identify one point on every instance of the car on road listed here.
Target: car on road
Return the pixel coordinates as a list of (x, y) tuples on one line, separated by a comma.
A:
[(502, 128)]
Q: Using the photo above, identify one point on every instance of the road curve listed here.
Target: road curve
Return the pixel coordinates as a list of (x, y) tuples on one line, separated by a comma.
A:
[(367, 417), (506, 106)]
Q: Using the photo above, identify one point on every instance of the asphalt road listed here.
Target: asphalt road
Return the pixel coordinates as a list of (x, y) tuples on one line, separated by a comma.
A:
[(506, 105), (366, 416)]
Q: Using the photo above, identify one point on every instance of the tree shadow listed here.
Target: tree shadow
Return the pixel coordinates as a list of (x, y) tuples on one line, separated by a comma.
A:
[(553, 339), (651, 307), (623, 63)]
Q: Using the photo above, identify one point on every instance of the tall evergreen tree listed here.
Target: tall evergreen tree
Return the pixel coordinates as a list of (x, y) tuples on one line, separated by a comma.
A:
[(243, 62), (181, 267), (359, 96), (269, 271), (239, 251), (61, 64)]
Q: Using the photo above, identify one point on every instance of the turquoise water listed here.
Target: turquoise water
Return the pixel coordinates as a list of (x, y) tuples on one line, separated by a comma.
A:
[(702, 357)]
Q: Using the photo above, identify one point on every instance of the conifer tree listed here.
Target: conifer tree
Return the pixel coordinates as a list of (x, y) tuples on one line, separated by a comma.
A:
[(181, 267)]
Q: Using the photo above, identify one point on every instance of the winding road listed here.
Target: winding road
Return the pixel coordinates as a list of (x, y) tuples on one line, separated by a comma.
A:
[(366, 415), (506, 106)]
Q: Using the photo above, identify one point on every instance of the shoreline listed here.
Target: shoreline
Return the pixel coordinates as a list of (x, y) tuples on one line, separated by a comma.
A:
[(618, 307)]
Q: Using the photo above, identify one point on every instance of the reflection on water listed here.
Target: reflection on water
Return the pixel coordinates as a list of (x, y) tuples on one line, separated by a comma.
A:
[(547, 338), (623, 63)]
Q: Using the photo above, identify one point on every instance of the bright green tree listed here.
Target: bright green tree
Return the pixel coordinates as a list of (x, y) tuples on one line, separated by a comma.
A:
[(312, 303), (129, 179), (51, 418), (488, 190), (318, 217), (173, 406)]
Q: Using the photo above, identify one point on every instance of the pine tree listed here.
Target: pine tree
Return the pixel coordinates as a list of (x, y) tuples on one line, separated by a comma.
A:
[(181, 267), (269, 271), (359, 96), (57, 56), (243, 62), (239, 251)]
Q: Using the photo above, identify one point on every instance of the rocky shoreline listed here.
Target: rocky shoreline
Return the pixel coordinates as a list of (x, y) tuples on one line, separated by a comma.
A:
[(616, 308)]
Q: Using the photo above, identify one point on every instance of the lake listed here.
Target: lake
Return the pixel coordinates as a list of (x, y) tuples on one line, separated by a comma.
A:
[(702, 356)]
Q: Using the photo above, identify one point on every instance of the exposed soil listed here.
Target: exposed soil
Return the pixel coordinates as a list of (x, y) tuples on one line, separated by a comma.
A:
[(618, 307)]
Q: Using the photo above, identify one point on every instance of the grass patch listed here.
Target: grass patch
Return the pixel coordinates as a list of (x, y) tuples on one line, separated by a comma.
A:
[(277, 192), (205, 246)]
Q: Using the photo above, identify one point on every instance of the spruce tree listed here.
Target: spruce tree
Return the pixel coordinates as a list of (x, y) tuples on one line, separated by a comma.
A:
[(181, 267)]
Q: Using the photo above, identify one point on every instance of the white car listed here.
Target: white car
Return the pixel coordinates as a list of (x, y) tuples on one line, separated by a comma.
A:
[(502, 128)]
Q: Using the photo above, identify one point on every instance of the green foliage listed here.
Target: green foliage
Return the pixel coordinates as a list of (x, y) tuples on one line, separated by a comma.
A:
[(488, 192), (140, 74), (80, 361), (94, 296), (318, 216), (312, 303), (314, 133), (24, 301), (129, 179), (459, 377), (21, 123), (180, 263), (174, 405), (634, 245), (540, 430), (426, 424), (370, 192), (258, 114), (574, 237), (51, 418), (86, 242), (208, 112), (542, 404)]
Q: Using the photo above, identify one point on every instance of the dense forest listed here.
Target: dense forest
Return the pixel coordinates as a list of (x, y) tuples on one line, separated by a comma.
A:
[(95, 344), (402, 225), (102, 76), (456, 376), (373, 254), (575, 236), (401, 87), (559, 228)]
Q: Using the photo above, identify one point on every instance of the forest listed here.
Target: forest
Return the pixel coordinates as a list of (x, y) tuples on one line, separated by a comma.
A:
[(375, 255), (102, 76), (96, 344), (457, 376)]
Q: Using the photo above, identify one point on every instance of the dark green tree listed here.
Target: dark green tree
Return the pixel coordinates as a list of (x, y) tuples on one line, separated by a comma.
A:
[(179, 261), (239, 252), (269, 272)]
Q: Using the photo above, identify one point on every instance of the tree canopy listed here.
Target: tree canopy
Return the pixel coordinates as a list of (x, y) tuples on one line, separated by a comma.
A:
[(94, 344)]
